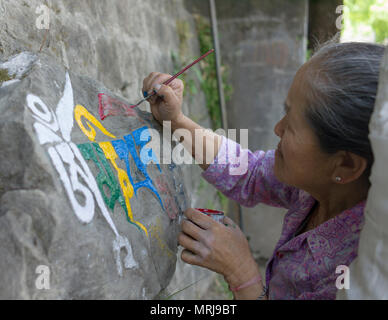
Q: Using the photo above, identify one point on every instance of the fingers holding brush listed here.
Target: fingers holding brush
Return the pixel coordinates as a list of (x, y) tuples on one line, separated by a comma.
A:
[(166, 105)]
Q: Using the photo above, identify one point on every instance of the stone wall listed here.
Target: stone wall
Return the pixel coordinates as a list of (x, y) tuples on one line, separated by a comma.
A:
[(118, 43), (78, 198)]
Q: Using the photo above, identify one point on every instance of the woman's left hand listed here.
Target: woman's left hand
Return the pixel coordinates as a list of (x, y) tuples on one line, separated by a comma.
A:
[(222, 248)]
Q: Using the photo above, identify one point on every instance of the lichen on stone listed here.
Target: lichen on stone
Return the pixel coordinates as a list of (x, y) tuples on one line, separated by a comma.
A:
[(4, 75)]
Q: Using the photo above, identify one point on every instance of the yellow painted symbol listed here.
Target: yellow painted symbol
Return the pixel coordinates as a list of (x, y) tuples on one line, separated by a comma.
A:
[(125, 184), (156, 232), (79, 112)]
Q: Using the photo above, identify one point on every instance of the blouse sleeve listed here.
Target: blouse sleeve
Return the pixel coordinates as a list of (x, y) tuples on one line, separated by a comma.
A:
[(248, 177)]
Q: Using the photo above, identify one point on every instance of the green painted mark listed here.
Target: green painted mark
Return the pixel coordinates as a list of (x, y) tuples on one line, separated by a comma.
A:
[(105, 177)]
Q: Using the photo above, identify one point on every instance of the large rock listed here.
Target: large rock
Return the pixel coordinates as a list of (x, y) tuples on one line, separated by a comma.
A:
[(83, 198), (119, 42)]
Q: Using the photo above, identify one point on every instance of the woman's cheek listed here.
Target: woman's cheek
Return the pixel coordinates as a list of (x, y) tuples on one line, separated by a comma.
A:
[(285, 147)]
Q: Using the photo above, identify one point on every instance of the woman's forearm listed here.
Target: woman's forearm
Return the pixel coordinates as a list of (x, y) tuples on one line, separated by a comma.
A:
[(203, 144)]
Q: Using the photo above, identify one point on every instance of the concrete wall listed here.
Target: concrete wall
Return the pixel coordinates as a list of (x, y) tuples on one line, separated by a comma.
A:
[(263, 44)]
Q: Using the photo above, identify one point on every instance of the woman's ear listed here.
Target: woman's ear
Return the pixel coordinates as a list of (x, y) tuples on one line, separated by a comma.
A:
[(349, 167)]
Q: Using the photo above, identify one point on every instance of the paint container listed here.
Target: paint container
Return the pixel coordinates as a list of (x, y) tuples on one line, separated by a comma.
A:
[(214, 214)]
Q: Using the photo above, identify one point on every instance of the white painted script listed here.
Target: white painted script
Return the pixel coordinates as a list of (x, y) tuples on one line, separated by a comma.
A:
[(54, 130)]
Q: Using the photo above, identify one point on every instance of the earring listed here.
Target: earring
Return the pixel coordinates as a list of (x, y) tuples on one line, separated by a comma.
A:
[(338, 179)]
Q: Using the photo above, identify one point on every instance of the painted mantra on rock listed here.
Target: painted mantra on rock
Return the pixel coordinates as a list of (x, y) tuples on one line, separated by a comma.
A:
[(54, 130), (121, 149)]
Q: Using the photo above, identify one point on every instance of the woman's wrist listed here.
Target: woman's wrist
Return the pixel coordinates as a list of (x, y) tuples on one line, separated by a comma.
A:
[(243, 275), (181, 121), (250, 282), (252, 289)]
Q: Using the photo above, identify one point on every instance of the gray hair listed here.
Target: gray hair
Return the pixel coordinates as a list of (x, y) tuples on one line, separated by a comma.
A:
[(343, 83)]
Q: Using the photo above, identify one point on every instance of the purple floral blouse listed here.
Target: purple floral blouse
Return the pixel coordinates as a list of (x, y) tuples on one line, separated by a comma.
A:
[(303, 266)]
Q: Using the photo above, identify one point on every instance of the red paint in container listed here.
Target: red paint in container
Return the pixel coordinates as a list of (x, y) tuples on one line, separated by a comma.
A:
[(214, 214)]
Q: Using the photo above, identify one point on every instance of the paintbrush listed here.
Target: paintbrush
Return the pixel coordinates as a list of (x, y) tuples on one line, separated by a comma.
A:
[(173, 77), (106, 108)]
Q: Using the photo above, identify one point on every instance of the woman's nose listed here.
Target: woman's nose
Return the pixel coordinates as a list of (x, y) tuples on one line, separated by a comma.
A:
[(278, 129)]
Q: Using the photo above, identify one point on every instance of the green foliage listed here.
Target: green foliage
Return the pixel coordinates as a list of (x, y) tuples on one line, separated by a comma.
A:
[(188, 83), (223, 288), (366, 16), (207, 73), (202, 184), (309, 53), (224, 201), (183, 29), (180, 60), (4, 76)]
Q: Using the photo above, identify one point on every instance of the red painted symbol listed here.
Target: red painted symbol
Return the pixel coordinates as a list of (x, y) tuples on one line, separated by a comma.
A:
[(108, 106)]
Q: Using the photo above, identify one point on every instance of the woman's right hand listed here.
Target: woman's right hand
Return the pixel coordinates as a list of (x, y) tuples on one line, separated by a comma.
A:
[(166, 105)]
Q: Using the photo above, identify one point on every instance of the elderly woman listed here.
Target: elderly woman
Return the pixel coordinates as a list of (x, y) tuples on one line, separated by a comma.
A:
[(319, 172)]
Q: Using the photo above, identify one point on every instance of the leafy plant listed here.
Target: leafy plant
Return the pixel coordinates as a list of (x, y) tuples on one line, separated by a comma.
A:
[(4, 75), (366, 17), (207, 73), (224, 201), (189, 84)]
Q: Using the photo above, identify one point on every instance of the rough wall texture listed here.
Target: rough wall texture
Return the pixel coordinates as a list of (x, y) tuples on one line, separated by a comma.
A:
[(77, 197), (116, 42), (263, 43)]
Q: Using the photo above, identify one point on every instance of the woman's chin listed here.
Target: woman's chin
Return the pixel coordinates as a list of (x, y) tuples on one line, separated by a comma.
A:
[(276, 170), (277, 166)]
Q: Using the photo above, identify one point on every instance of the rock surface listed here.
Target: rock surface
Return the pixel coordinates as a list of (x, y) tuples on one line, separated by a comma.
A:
[(75, 195)]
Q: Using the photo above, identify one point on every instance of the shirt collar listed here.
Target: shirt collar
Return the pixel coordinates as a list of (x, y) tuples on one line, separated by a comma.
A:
[(293, 220), (334, 235)]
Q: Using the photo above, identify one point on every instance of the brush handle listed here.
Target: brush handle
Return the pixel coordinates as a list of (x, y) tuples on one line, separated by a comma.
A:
[(175, 76), (187, 67)]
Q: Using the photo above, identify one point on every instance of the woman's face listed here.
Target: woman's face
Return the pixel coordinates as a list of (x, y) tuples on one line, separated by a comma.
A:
[(299, 161)]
